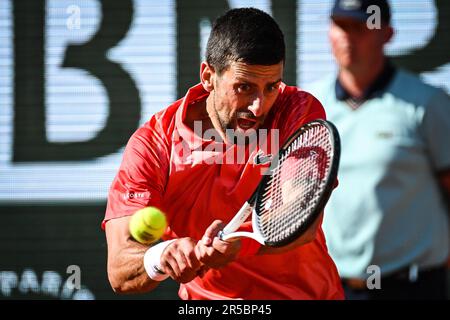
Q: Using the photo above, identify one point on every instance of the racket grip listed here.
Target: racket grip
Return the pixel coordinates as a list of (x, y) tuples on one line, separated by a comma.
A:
[(237, 220), (222, 235)]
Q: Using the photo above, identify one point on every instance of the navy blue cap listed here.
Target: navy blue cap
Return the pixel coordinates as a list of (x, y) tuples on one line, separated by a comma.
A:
[(357, 9)]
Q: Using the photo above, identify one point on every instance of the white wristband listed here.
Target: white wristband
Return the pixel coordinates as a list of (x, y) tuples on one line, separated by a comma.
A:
[(152, 260)]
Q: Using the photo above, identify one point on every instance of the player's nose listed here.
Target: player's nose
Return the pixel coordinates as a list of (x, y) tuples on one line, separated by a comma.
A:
[(257, 106)]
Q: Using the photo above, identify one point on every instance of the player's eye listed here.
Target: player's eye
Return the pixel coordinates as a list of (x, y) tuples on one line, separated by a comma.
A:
[(273, 87), (244, 88)]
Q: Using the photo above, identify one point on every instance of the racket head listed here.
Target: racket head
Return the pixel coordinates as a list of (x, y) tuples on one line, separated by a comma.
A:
[(308, 164)]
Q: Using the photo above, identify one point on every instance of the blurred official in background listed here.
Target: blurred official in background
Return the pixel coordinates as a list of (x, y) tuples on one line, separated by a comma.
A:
[(389, 209)]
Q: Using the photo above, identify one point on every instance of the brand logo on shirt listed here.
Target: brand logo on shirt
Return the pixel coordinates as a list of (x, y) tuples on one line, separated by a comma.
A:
[(385, 135), (137, 195)]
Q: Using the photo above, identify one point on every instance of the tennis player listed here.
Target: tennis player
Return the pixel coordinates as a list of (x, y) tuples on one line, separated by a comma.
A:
[(179, 161)]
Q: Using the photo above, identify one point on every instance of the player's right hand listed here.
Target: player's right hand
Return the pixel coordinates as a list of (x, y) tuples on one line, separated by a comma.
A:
[(213, 252), (179, 260)]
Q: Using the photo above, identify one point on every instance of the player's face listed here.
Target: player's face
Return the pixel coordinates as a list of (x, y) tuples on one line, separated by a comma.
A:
[(243, 96), (354, 44)]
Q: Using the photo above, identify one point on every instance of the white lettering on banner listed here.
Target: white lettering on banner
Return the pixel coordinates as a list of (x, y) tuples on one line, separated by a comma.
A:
[(8, 282), (13, 285), (51, 282), (28, 282)]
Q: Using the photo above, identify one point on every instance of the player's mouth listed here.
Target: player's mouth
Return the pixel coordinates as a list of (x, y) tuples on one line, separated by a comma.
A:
[(246, 123)]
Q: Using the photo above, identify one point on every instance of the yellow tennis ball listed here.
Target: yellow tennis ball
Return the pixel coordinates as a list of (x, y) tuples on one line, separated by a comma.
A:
[(147, 225)]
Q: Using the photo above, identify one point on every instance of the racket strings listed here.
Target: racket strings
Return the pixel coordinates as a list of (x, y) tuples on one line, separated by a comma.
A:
[(295, 186)]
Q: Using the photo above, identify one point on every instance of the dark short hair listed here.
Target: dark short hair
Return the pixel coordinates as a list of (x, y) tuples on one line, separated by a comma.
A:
[(246, 35)]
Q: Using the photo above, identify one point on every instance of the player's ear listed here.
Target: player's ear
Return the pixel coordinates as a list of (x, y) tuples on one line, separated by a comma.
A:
[(207, 74), (388, 34)]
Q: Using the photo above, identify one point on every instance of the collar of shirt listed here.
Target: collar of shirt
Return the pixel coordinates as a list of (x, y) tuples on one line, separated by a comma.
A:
[(380, 83), (194, 141)]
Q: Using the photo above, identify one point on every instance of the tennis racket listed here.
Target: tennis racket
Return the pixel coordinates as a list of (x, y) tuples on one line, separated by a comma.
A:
[(294, 191)]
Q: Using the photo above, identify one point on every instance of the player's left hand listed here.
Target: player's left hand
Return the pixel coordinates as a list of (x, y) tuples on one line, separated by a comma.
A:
[(213, 252)]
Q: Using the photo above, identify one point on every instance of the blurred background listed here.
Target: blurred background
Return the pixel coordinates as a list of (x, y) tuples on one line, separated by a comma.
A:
[(77, 78)]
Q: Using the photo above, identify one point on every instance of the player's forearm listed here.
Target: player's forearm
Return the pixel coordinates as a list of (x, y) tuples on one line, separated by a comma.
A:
[(126, 271)]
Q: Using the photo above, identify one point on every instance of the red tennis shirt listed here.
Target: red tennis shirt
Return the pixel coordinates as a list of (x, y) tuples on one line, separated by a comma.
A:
[(192, 179)]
